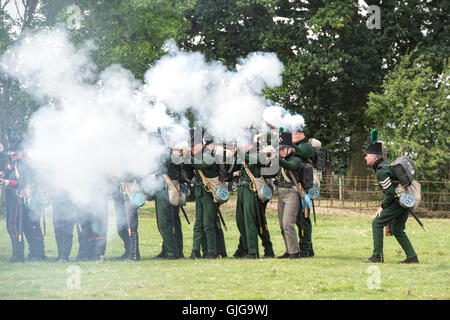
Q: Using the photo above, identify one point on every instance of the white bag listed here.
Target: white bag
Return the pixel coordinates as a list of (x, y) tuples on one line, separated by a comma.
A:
[(414, 189), (175, 195)]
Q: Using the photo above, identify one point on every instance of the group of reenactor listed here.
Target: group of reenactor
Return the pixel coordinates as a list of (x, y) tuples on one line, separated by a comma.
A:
[(200, 171)]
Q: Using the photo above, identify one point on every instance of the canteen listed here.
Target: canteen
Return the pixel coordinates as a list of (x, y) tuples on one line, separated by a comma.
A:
[(138, 198), (407, 200), (39, 199), (31, 203), (265, 193), (222, 194), (307, 200), (314, 192)]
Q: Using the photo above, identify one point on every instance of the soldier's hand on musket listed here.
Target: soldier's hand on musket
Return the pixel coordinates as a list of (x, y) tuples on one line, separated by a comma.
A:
[(378, 213)]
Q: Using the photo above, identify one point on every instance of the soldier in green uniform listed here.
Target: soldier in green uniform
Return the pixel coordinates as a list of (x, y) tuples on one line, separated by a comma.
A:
[(390, 209), (168, 218), (250, 210), (206, 209), (305, 151), (288, 197)]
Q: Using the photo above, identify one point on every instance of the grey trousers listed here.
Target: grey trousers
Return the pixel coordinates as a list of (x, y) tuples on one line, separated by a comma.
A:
[(288, 207)]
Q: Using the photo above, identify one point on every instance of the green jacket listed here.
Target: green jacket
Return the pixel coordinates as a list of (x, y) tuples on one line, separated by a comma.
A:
[(208, 166), (291, 162), (305, 150), (387, 182), (254, 166), (173, 170)]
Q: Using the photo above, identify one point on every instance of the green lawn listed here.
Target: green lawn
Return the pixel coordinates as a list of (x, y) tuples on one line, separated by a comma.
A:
[(340, 243)]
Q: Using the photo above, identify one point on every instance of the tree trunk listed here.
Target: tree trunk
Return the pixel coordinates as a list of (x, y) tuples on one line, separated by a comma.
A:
[(357, 165)]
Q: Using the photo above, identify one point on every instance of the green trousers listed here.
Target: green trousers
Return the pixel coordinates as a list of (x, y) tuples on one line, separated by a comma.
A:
[(398, 216), (264, 236), (220, 240), (205, 217), (305, 232), (169, 225), (247, 222)]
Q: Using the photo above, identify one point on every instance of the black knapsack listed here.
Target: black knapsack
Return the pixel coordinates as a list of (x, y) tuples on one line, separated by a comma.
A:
[(307, 176), (321, 154), (320, 160), (404, 169)]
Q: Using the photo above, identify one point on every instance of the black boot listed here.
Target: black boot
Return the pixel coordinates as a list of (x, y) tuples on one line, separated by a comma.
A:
[(36, 244), (269, 254), (250, 256), (211, 256), (284, 256), (295, 256), (410, 260), (160, 256), (375, 259), (18, 250), (311, 251), (134, 248), (195, 255), (240, 253)]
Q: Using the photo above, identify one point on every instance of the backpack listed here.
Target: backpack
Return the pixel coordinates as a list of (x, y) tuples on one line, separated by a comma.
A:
[(408, 190), (409, 197), (321, 154), (307, 176), (404, 169)]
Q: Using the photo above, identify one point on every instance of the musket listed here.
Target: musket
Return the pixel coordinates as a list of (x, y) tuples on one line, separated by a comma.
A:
[(300, 190), (314, 212), (221, 217), (300, 215), (78, 224), (263, 215), (258, 213), (20, 224), (417, 219), (185, 215)]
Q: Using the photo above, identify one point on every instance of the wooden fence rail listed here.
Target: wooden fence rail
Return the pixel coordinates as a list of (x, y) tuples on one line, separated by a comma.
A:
[(363, 193)]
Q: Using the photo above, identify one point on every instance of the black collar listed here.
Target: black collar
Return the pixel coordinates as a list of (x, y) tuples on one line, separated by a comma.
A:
[(377, 164)]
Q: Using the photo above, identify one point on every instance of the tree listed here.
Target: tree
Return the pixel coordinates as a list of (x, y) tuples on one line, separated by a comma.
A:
[(130, 33), (413, 116), (332, 60), (15, 105)]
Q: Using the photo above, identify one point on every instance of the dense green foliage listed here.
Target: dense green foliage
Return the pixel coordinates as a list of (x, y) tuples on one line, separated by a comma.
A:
[(413, 113), (333, 61)]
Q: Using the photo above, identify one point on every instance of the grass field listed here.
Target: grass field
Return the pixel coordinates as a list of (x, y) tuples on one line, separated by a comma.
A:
[(340, 240)]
